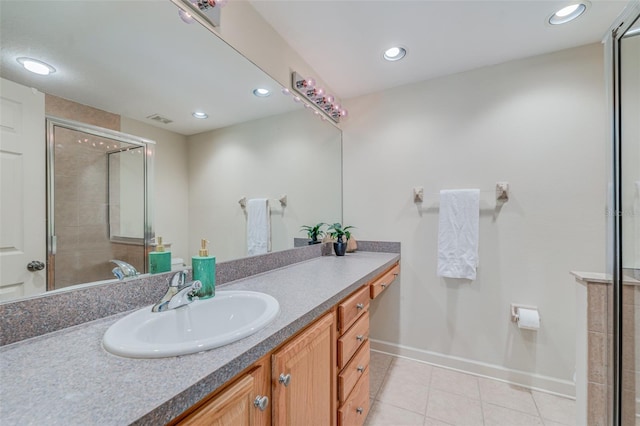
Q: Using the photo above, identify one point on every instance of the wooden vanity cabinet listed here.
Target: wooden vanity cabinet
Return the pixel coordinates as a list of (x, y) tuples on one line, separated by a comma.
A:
[(318, 377), (303, 377), (353, 358), (354, 349), (245, 402)]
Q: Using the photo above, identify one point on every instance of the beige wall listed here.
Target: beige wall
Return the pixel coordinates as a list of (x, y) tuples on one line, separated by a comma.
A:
[(294, 154), (171, 186), (538, 123)]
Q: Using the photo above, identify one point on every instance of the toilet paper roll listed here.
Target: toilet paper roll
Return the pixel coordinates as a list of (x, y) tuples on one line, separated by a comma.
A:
[(528, 319)]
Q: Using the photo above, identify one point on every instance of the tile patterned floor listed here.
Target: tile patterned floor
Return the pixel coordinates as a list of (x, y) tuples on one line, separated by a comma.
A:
[(410, 393)]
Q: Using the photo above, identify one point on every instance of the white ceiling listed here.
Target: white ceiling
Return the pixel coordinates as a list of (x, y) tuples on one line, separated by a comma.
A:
[(132, 59), (135, 58), (344, 40)]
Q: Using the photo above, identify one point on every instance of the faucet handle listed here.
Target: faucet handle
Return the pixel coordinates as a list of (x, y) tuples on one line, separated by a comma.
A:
[(195, 287), (179, 278)]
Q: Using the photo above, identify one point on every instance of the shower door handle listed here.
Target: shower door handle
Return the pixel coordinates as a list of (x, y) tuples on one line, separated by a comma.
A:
[(35, 265)]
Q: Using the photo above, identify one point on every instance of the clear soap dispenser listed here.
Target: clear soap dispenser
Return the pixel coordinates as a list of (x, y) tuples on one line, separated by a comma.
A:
[(204, 270)]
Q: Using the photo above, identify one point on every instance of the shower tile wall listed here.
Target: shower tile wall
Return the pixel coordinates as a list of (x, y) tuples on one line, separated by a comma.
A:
[(630, 354), (599, 337), (80, 210), (81, 200), (62, 108)]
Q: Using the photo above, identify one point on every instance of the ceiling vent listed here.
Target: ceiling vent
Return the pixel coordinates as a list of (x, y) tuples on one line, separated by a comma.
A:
[(160, 119)]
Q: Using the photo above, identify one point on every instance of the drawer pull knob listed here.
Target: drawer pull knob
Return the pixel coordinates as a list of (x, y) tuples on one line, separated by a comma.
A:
[(360, 306), (261, 402), (359, 337), (395, 274), (383, 285), (359, 410), (360, 369), (284, 379)]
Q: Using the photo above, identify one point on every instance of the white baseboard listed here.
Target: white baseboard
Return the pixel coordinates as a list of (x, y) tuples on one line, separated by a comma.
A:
[(537, 382)]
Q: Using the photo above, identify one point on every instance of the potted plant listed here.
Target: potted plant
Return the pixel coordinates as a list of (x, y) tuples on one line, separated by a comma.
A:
[(314, 232), (341, 235)]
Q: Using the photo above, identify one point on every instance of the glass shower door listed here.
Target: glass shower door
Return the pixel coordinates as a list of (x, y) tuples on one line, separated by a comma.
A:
[(98, 202), (624, 307), (629, 74)]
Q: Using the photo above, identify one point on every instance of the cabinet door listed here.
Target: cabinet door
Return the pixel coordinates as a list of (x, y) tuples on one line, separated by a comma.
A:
[(247, 401), (304, 377), (233, 407)]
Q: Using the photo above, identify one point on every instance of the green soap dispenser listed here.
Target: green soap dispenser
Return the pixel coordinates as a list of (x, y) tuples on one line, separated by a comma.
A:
[(159, 260), (204, 270)]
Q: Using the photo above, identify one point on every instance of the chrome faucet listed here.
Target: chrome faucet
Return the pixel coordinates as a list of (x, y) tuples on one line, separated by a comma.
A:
[(179, 293), (123, 270)]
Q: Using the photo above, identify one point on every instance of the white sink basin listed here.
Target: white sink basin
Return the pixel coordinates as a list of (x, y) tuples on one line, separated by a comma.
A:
[(196, 327)]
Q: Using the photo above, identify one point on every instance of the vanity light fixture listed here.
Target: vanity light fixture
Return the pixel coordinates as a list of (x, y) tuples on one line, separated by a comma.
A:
[(323, 102), (261, 92), (36, 66), (568, 13), (394, 53), (200, 115)]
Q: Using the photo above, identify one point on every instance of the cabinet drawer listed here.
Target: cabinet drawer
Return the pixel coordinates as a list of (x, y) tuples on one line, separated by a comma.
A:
[(380, 284), (350, 341), (356, 368), (352, 308), (354, 411)]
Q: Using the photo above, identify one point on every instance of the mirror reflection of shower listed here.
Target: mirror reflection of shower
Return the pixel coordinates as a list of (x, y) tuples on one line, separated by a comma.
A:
[(629, 187), (630, 136), (98, 202)]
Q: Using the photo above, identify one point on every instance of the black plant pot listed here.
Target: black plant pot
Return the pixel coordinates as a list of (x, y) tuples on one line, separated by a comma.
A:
[(312, 242), (340, 248)]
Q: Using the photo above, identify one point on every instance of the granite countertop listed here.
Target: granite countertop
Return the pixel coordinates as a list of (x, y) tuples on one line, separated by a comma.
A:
[(601, 278), (66, 377)]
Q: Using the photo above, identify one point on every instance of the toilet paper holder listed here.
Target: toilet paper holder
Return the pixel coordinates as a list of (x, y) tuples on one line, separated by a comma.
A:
[(515, 316)]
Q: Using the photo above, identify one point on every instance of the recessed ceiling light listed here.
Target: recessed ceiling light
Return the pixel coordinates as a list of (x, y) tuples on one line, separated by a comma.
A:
[(567, 14), (262, 93), (394, 53), (199, 114), (36, 66)]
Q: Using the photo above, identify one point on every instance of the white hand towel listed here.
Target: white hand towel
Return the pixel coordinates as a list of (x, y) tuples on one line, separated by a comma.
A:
[(458, 232), (258, 226)]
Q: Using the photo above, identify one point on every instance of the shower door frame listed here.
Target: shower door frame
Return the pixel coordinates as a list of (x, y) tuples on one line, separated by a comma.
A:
[(612, 64), (149, 153)]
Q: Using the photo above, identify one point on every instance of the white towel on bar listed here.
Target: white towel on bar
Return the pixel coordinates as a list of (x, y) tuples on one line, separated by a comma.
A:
[(458, 232), (258, 226)]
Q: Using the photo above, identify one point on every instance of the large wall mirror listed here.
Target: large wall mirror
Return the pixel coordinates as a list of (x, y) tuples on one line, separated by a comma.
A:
[(137, 68)]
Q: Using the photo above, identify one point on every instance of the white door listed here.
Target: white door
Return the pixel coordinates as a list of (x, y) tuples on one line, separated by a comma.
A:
[(22, 190)]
